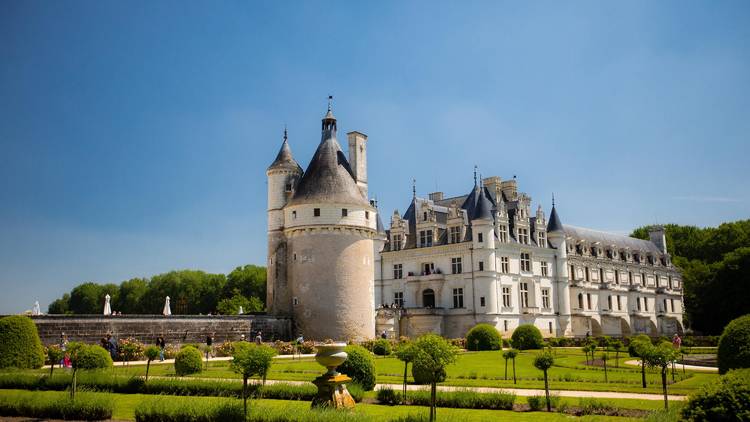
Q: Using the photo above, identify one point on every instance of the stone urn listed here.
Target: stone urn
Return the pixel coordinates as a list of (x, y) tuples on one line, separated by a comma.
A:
[(331, 356)]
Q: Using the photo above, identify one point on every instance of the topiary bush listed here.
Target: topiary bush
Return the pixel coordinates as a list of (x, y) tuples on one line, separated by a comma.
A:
[(89, 356), (633, 343), (422, 375), (20, 346), (381, 347), (188, 361), (734, 345), (360, 366), (483, 337), (527, 336), (726, 400)]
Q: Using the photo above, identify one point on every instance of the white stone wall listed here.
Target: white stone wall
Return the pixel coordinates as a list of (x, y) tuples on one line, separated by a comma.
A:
[(330, 214)]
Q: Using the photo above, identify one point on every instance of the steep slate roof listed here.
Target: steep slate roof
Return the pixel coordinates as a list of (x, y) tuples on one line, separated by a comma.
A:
[(284, 159), (328, 178), (483, 207), (607, 239), (554, 224)]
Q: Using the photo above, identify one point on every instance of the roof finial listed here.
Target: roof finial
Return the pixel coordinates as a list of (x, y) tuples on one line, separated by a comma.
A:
[(475, 175), (414, 188), (285, 135), (553, 199), (330, 102)]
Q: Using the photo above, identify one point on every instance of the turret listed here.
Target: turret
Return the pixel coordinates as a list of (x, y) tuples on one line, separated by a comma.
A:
[(358, 159), (658, 237)]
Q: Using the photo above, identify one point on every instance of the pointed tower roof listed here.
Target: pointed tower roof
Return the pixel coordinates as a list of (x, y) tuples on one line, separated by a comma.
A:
[(284, 159), (554, 224), (483, 207), (328, 178)]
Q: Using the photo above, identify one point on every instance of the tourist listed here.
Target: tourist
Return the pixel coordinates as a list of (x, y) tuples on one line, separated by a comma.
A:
[(384, 335), (242, 337), (66, 363), (103, 342), (112, 347), (676, 341), (161, 345), (209, 343), (63, 342), (258, 338)]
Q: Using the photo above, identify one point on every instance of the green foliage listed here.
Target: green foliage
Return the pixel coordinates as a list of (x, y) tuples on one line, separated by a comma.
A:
[(20, 346), (250, 359), (388, 396), (164, 409), (381, 347), (60, 306), (527, 336), (151, 352), (406, 351), (88, 356), (54, 355), (360, 366), (231, 306), (734, 345), (423, 375), (459, 399), (433, 354), (660, 356), (637, 343), (589, 406), (543, 361), (188, 361), (726, 400), (537, 403), (713, 263), (483, 337), (56, 406)]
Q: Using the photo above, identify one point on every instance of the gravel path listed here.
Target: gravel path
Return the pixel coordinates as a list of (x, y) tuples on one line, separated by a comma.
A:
[(637, 362)]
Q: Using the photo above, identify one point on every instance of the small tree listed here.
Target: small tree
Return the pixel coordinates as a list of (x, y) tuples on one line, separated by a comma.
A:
[(54, 355), (510, 354), (605, 357), (251, 359), (734, 345), (585, 350), (506, 356), (84, 356), (434, 353), (639, 347), (543, 362), (406, 352), (151, 353), (617, 346), (661, 357)]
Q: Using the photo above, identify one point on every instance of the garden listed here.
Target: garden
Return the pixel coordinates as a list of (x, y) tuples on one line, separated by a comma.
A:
[(420, 379)]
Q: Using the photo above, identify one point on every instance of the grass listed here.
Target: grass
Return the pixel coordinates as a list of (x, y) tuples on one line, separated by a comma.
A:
[(86, 406), (484, 369), (125, 407)]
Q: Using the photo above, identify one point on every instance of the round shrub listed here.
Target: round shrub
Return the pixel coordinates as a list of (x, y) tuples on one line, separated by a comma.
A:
[(726, 400), (734, 345), (423, 376), (483, 337), (89, 356), (188, 361), (381, 347), (360, 366), (635, 341), (20, 346), (527, 336)]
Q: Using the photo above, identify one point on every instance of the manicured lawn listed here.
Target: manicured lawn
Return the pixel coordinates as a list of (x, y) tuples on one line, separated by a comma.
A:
[(486, 369), (125, 405)]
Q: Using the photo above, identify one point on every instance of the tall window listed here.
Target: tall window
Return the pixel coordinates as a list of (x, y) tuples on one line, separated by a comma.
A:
[(630, 278), (398, 271), (545, 271), (601, 275), (458, 298), (617, 277), (580, 300), (481, 301), (456, 267), (481, 265), (645, 304), (344, 212), (525, 261), (505, 264), (398, 299), (619, 303), (425, 238), (503, 233), (638, 303), (316, 212), (572, 273), (455, 236), (480, 238), (643, 279), (542, 239), (671, 303), (550, 327), (506, 298), (609, 302), (523, 236), (524, 295), (588, 300), (545, 298), (428, 268), (396, 243), (586, 274)]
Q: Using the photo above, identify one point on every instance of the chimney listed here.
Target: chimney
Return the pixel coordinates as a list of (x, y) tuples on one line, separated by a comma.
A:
[(493, 185), (436, 196), (358, 159), (510, 189), (658, 237)]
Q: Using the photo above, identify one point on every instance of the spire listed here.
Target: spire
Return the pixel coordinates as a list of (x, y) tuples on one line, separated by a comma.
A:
[(483, 209), (475, 175), (285, 159), (413, 189), (554, 224), (329, 121)]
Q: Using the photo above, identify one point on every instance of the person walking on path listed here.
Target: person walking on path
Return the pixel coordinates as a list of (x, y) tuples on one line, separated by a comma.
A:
[(161, 345), (112, 347), (676, 341), (258, 338)]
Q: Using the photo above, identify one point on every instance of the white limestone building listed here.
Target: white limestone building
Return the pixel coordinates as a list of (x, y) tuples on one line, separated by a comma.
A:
[(450, 263)]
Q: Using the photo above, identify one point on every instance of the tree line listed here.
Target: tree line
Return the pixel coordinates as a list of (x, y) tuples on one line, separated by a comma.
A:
[(715, 264), (191, 292)]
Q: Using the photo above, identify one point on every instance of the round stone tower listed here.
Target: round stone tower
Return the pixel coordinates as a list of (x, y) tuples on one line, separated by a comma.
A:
[(330, 227)]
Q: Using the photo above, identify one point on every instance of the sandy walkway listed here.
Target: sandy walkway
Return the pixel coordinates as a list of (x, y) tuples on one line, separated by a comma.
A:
[(637, 362)]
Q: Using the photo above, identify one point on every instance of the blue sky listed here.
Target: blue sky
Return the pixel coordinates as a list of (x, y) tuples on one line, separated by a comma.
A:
[(134, 136)]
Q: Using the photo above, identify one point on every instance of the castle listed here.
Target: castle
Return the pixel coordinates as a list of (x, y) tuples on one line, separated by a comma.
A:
[(449, 263)]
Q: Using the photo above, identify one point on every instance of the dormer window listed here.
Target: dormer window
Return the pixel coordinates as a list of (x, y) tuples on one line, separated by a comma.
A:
[(542, 240), (503, 233), (523, 236), (396, 242), (455, 234)]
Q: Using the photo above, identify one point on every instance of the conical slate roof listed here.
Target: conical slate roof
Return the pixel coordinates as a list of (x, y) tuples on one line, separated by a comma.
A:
[(483, 208), (554, 224), (284, 159), (328, 178)]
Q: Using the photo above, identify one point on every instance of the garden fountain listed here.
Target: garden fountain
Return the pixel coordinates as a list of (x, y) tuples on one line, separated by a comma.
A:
[(332, 392)]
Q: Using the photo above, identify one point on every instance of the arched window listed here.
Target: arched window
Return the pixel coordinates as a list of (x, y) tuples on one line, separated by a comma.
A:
[(428, 298), (580, 300)]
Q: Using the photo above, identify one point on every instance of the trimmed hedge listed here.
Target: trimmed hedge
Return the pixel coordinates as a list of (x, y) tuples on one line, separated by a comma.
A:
[(422, 375), (86, 406), (527, 336), (734, 345), (20, 346), (381, 347), (188, 361), (360, 366), (459, 399), (726, 400), (89, 356), (483, 337)]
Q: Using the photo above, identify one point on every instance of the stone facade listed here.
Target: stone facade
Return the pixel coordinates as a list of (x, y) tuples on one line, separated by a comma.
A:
[(176, 329)]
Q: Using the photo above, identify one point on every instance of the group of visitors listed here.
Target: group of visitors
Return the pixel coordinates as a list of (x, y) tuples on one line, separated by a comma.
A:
[(110, 345)]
